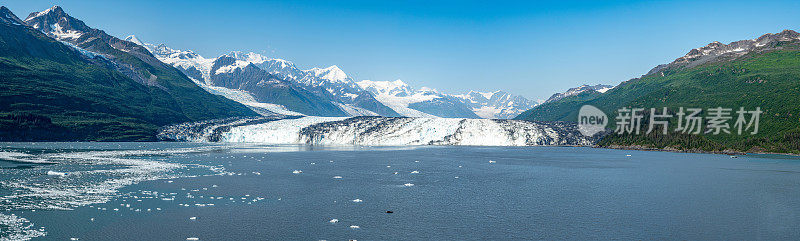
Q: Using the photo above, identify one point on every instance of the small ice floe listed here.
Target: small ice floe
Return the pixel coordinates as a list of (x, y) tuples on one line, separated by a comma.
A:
[(415, 172), (337, 177), (490, 161), (193, 218), (334, 220), (357, 200), (297, 171), (193, 239), (59, 174), (354, 227), (409, 184)]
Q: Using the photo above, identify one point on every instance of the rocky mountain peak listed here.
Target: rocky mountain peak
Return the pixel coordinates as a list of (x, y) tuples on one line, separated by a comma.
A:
[(6, 16)]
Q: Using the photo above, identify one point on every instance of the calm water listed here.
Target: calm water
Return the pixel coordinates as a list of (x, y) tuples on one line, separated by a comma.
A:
[(174, 191)]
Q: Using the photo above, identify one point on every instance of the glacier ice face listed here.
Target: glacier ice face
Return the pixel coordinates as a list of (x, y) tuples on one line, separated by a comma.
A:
[(382, 131)]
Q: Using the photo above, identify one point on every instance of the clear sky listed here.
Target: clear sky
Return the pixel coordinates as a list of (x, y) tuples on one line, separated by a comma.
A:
[(531, 48)]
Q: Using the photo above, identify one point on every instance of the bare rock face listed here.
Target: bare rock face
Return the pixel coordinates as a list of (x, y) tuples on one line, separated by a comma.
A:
[(716, 51)]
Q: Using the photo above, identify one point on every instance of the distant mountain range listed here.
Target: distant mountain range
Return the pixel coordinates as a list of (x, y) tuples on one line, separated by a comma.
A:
[(427, 102), (761, 72), (326, 91)]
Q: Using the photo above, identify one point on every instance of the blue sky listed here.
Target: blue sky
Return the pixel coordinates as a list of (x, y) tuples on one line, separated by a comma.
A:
[(531, 48)]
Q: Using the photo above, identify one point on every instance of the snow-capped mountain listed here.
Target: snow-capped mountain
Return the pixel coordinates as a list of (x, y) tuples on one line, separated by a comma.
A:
[(496, 105), (57, 24), (327, 92), (427, 102), (578, 90)]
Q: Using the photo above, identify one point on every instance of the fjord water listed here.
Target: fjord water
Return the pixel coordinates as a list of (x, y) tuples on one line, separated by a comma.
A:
[(175, 191)]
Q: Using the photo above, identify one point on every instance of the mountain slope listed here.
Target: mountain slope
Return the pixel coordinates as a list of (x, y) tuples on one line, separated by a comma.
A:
[(331, 88), (53, 90), (267, 88), (762, 72)]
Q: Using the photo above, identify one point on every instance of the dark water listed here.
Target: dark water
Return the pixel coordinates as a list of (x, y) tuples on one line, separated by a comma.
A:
[(527, 193)]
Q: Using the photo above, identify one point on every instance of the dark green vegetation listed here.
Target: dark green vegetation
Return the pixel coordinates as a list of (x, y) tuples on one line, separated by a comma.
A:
[(768, 77), (51, 92)]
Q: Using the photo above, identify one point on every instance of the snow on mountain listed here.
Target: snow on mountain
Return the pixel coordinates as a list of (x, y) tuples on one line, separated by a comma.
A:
[(420, 103), (328, 84), (398, 96), (578, 90), (497, 104), (333, 73)]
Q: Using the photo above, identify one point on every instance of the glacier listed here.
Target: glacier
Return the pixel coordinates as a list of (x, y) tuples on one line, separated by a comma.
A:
[(379, 131)]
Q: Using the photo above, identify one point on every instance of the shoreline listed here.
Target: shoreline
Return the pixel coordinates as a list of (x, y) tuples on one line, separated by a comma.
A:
[(725, 152)]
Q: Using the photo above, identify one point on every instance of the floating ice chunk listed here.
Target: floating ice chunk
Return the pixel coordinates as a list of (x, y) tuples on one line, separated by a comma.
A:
[(354, 227), (53, 173), (357, 200), (297, 171), (337, 177), (414, 172), (334, 220), (409, 184)]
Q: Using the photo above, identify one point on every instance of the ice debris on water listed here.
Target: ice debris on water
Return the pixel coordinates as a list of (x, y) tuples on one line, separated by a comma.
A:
[(54, 173)]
